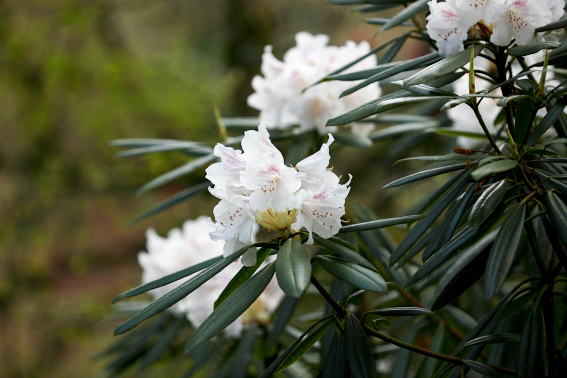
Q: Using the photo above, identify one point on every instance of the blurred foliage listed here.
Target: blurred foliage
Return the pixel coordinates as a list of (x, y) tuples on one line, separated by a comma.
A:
[(76, 74)]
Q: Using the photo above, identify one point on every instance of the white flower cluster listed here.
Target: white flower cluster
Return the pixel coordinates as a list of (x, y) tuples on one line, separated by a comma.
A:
[(254, 185), (189, 246), (450, 22), (279, 94)]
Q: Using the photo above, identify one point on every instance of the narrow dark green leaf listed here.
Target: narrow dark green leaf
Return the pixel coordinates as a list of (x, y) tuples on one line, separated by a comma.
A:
[(518, 304), (559, 24), (354, 274), (493, 339), (496, 167), (467, 269), (271, 370), (170, 202), (335, 364), (450, 157), (394, 49), (242, 276), (531, 358), (281, 319), (557, 212), (359, 353), (305, 344), (423, 89), (419, 229), (178, 293), (487, 202), (164, 342), (350, 139), (293, 268), (176, 173), (381, 323), (167, 279), (301, 145), (343, 252), (147, 142), (443, 254), (443, 67), (483, 369), (229, 310), (554, 112), (436, 345), (407, 13), (405, 66), (403, 129), (381, 21), (245, 352), (425, 174), (503, 250), (372, 225), (532, 48), (402, 311)]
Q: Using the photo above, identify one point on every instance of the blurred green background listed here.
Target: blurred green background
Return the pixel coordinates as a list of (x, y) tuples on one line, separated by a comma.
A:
[(75, 74)]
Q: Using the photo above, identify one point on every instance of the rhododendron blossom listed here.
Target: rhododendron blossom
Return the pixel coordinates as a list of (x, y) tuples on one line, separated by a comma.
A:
[(281, 95), (502, 20), (188, 246), (259, 188)]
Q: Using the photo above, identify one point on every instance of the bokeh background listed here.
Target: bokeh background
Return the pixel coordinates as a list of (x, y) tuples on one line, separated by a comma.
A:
[(75, 74)]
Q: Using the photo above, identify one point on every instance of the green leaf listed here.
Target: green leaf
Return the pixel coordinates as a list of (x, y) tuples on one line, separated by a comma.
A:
[(242, 276), (372, 225), (245, 352), (436, 345), (517, 98), (467, 269), (164, 342), (423, 89), (350, 139), (532, 48), (178, 293), (554, 112), (449, 157), (397, 130), (343, 252), (354, 274), (229, 310), (518, 304), (285, 311), (336, 364), (503, 250), (301, 145), (531, 358), (170, 202), (293, 268), (381, 323), (401, 311), (493, 339), (407, 13), (425, 174), (359, 353), (397, 44), (524, 116), (487, 202), (271, 370), (165, 280), (443, 254), (191, 148), (305, 344), (419, 229), (483, 369), (402, 67), (559, 24), (176, 173), (382, 21), (557, 212), (496, 167), (443, 67)]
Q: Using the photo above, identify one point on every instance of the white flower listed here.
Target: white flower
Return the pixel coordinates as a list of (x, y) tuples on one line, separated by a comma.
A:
[(279, 94), (518, 19), (557, 9), (322, 209), (189, 246), (473, 11), (446, 27), (256, 187), (271, 182)]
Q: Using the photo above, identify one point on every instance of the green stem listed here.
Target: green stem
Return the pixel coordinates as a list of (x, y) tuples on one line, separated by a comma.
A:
[(341, 311), (426, 352), (484, 128)]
